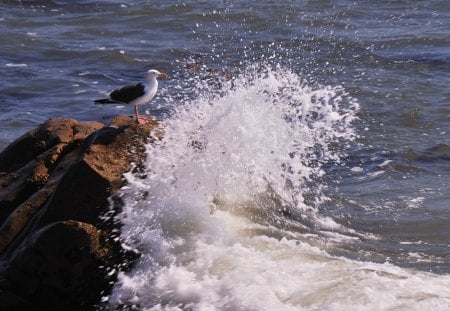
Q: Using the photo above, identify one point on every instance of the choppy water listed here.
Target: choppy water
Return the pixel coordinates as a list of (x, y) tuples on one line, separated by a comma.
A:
[(311, 172)]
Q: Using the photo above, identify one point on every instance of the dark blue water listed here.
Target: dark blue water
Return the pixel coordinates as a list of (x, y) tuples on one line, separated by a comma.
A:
[(390, 188)]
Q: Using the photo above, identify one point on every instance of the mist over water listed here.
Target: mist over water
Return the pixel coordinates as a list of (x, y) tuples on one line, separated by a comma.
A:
[(305, 158)]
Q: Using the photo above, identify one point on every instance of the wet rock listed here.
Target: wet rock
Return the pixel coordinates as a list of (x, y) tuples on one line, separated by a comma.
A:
[(27, 163), (59, 267), (12, 302), (43, 138), (56, 183), (98, 172)]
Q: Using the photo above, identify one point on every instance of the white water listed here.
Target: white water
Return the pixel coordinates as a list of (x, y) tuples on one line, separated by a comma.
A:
[(210, 217)]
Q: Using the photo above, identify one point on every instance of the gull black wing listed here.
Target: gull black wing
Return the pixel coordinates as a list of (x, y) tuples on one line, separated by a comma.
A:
[(128, 93), (106, 101)]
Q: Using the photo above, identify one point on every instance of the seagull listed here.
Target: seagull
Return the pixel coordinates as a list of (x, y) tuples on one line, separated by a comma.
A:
[(136, 94)]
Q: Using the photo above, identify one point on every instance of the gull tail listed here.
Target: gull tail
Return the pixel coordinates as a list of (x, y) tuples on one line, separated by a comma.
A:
[(106, 101)]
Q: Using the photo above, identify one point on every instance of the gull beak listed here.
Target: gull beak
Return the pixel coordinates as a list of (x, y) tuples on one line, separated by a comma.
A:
[(163, 75)]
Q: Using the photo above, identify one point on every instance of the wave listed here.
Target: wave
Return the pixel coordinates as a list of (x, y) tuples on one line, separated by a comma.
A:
[(253, 150), (225, 214)]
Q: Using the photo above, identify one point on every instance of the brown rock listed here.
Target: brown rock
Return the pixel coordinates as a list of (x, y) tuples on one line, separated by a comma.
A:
[(27, 163), (73, 179), (55, 183), (42, 138), (108, 153)]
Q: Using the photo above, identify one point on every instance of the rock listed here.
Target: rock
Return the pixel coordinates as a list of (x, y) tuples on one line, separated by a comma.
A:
[(58, 268), (27, 163), (85, 188), (44, 137), (13, 302), (55, 185)]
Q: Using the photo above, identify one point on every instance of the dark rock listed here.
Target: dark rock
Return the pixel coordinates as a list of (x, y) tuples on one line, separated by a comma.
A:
[(12, 302), (58, 268), (56, 250)]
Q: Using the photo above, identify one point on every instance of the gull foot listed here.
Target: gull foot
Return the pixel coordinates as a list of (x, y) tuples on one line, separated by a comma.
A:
[(141, 120)]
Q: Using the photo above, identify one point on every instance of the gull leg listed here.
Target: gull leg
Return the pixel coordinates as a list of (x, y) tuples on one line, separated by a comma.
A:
[(139, 119)]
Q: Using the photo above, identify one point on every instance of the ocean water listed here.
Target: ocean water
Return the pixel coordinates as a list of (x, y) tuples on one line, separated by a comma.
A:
[(305, 163)]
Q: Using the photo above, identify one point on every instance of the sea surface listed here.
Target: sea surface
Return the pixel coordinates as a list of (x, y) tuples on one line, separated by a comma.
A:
[(306, 157)]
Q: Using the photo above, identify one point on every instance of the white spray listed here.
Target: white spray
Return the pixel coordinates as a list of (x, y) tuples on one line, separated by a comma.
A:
[(193, 218)]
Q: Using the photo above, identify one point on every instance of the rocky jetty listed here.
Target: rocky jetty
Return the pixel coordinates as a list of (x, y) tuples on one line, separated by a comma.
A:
[(57, 183)]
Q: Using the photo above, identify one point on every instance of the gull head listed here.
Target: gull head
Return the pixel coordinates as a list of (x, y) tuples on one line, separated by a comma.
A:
[(153, 74)]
